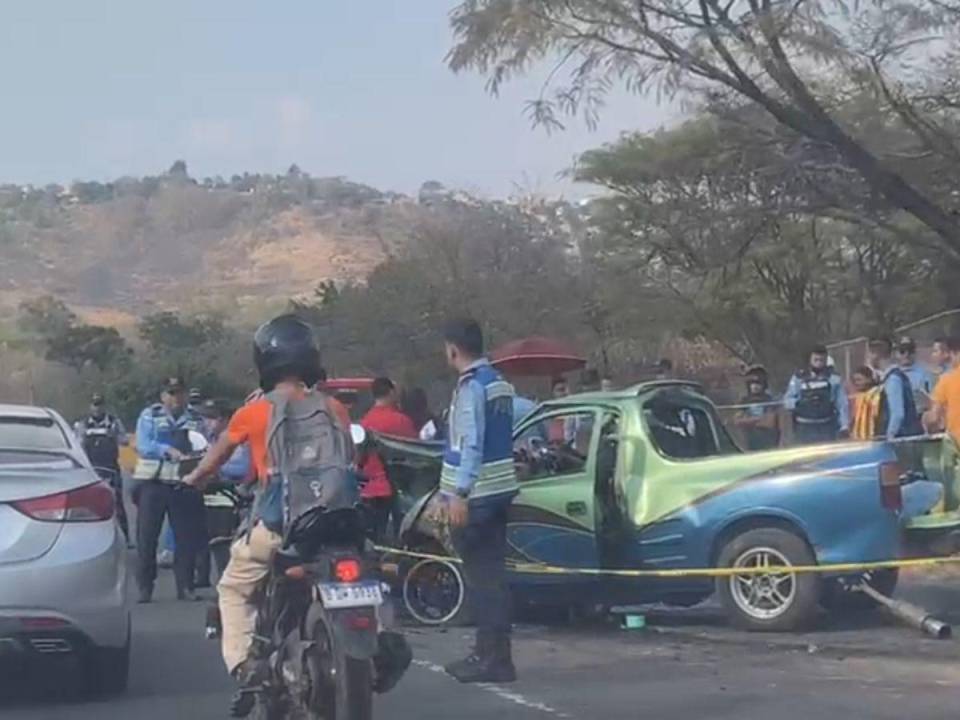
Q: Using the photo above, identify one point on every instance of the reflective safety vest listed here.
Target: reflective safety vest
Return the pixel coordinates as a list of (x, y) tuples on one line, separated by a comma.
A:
[(169, 432), (100, 441), (497, 474)]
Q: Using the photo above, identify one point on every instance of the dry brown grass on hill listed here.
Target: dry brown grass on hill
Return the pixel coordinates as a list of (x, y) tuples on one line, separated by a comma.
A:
[(185, 244)]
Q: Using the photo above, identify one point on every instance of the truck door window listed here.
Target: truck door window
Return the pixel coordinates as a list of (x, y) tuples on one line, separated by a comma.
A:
[(684, 429), (556, 445)]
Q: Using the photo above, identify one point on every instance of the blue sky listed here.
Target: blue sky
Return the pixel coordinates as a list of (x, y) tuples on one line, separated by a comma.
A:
[(99, 89)]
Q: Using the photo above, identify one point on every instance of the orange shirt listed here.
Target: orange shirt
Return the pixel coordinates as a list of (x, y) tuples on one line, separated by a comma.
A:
[(250, 424), (947, 395)]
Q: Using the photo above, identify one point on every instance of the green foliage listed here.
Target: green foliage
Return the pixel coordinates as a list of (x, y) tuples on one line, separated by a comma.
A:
[(168, 332), (758, 242), (201, 349), (84, 345), (45, 317), (90, 193), (798, 63)]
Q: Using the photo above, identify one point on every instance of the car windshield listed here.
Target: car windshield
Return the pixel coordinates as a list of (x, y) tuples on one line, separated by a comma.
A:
[(31, 433)]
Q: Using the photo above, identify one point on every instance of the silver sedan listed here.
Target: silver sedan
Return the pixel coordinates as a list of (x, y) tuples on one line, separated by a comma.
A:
[(62, 557)]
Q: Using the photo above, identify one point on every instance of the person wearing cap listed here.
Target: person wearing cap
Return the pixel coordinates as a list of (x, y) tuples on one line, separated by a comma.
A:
[(818, 401), (897, 412), (195, 399), (162, 441), (102, 436), (921, 380), (759, 418)]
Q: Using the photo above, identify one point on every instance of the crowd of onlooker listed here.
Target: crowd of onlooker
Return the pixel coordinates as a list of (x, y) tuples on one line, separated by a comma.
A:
[(892, 396)]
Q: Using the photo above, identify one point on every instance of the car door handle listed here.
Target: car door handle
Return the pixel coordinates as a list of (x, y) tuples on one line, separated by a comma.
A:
[(576, 508)]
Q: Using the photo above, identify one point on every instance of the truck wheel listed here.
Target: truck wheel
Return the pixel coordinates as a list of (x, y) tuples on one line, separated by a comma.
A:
[(838, 597), (775, 602)]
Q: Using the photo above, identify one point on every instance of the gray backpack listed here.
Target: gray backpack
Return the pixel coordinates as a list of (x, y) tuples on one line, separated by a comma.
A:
[(312, 454)]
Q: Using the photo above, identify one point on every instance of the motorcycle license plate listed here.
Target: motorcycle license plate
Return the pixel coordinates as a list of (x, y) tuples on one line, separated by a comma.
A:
[(345, 595)]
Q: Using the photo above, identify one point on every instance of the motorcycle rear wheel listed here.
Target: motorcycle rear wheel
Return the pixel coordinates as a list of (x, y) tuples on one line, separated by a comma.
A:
[(343, 685)]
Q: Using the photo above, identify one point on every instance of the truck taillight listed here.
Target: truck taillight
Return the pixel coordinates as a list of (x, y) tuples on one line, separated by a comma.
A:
[(890, 495), (91, 503)]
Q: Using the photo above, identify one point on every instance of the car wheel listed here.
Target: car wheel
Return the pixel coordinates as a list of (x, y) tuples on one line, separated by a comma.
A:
[(109, 669), (839, 597), (770, 602)]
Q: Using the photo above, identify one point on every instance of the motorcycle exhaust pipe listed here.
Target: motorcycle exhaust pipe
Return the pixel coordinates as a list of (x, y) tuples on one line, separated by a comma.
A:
[(909, 613)]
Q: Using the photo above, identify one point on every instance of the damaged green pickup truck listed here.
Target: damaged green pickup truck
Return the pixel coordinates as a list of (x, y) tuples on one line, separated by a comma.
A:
[(648, 478)]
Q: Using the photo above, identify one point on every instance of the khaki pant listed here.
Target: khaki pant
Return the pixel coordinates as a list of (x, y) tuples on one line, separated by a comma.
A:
[(249, 566)]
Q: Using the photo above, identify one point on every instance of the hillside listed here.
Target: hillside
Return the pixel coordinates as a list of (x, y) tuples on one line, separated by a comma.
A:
[(137, 245)]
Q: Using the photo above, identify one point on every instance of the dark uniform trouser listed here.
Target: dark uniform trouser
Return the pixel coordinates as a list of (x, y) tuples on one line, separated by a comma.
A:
[(184, 507), (812, 433), (482, 545)]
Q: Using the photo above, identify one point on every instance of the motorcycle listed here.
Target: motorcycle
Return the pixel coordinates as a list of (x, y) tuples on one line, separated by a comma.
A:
[(320, 624)]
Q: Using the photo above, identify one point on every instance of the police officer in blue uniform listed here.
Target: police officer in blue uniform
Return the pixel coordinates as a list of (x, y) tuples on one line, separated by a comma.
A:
[(102, 435), (818, 401), (162, 441), (477, 485)]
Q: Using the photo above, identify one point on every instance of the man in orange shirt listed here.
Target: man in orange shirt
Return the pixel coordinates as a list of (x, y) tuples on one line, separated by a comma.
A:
[(288, 362), (944, 412)]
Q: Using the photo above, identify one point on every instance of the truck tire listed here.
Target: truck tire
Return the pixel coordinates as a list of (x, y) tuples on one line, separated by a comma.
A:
[(779, 602)]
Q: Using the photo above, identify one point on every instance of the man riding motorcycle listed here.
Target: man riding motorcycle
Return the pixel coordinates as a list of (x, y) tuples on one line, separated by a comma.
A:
[(287, 359)]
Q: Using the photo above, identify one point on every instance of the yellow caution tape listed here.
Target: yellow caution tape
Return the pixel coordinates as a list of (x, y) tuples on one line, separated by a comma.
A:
[(837, 568)]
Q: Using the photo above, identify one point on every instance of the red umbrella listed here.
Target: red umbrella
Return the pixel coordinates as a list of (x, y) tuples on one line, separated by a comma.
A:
[(536, 356)]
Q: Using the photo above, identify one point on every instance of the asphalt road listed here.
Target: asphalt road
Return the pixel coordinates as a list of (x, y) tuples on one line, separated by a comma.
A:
[(577, 673)]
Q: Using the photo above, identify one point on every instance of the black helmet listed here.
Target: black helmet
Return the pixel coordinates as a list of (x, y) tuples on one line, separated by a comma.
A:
[(286, 347)]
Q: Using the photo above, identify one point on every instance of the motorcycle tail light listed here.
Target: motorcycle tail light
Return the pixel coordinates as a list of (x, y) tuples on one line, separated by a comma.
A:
[(890, 495), (346, 570)]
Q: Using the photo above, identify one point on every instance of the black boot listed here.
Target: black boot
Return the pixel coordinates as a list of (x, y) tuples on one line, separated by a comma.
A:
[(145, 595), (482, 647), (490, 663)]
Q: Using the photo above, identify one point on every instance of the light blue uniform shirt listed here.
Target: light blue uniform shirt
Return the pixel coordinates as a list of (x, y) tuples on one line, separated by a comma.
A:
[(470, 421), (921, 379)]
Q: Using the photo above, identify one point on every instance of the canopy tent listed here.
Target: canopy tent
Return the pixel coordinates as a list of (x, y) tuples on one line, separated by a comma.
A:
[(536, 357)]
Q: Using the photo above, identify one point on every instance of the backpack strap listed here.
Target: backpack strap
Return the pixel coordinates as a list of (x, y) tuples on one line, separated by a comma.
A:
[(278, 413)]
